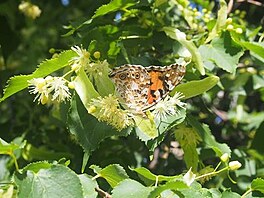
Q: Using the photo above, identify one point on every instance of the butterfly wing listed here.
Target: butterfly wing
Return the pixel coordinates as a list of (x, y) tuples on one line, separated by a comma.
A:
[(142, 87), (132, 84), (162, 81)]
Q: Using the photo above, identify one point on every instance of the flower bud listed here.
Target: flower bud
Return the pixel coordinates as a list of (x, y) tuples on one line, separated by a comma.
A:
[(234, 165), (97, 54), (91, 109), (239, 30), (229, 20), (71, 85), (224, 157), (189, 177), (230, 27)]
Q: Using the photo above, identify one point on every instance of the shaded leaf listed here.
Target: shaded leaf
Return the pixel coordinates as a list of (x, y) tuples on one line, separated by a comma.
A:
[(87, 129), (257, 142), (208, 138)]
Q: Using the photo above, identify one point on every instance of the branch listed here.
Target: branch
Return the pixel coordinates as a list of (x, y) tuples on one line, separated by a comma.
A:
[(102, 193), (257, 3)]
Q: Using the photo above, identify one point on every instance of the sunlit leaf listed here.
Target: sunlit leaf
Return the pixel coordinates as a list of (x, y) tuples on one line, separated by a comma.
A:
[(258, 184), (223, 52), (171, 185), (130, 189), (196, 87), (113, 174), (18, 83), (88, 185), (181, 37), (113, 6), (149, 178), (48, 181)]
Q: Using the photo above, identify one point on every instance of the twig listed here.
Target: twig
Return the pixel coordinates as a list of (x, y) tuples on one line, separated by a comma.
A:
[(230, 6), (102, 193), (257, 3)]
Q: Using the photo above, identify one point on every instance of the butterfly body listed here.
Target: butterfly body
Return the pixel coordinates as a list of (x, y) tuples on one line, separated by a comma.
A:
[(142, 87)]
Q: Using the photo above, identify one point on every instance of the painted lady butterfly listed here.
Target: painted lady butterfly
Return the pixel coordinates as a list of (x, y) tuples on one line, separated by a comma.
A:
[(142, 87)]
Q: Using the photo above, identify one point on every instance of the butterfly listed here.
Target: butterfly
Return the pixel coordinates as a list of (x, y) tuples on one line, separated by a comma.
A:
[(140, 87)]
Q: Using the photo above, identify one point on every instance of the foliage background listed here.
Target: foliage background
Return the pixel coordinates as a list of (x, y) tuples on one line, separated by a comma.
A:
[(233, 109)]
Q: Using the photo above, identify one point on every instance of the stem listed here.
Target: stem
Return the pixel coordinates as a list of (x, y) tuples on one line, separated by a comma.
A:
[(15, 161), (67, 73), (231, 178), (96, 176), (212, 173), (217, 166), (246, 193), (157, 180)]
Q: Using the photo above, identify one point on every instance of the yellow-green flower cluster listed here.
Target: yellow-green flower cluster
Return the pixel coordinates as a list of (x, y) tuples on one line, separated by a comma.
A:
[(231, 27), (196, 19), (94, 68), (49, 90), (30, 10), (107, 109), (80, 61), (168, 107)]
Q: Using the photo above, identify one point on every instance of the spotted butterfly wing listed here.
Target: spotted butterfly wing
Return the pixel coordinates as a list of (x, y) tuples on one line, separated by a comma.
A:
[(142, 87)]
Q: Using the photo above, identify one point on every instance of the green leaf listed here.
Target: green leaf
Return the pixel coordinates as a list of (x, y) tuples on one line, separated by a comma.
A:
[(224, 52), (171, 185), (36, 166), (104, 85), (6, 148), (130, 189), (88, 185), (113, 6), (196, 87), (181, 37), (258, 82), (195, 190), (220, 21), (257, 142), (84, 88), (207, 137), (229, 194), (149, 178), (87, 129), (18, 83), (42, 153), (113, 174), (255, 49), (258, 184), (96, 169), (145, 128), (171, 121), (55, 181), (188, 139)]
